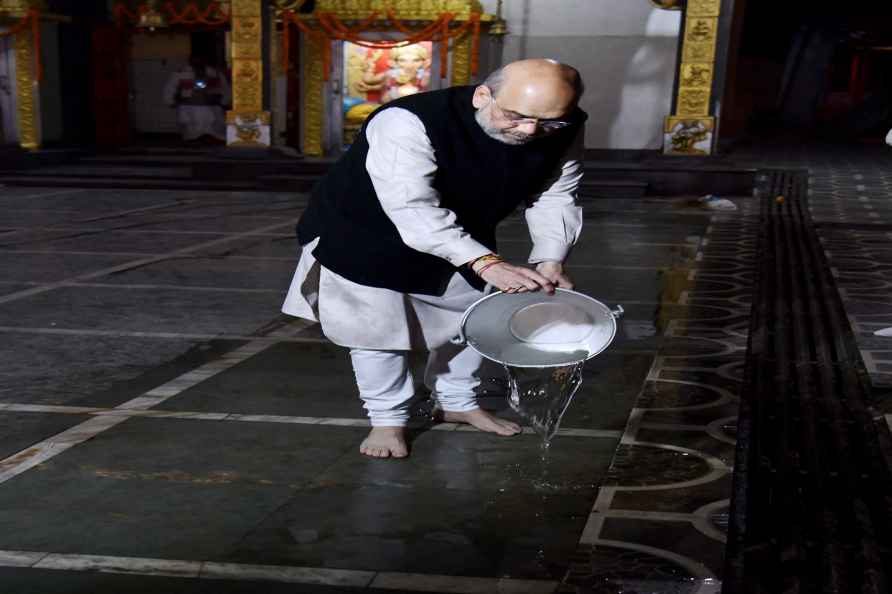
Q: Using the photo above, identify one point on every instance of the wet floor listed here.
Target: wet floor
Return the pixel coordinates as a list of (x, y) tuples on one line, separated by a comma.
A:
[(159, 417)]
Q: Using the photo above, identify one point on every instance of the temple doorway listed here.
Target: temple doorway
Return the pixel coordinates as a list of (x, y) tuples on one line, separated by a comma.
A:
[(8, 134), (159, 65)]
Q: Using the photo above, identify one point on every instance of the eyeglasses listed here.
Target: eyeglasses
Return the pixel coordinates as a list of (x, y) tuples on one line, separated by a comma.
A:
[(545, 124)]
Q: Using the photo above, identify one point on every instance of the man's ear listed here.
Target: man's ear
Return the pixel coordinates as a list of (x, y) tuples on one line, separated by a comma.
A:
[(482, 96)]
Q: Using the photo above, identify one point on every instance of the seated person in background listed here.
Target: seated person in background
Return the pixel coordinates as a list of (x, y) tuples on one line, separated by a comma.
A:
[(198, 92)]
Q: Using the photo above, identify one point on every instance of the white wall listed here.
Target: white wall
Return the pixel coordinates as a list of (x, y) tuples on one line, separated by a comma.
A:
[(625, 50)]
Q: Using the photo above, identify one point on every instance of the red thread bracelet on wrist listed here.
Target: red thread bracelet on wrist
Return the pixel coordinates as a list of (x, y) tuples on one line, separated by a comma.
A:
[(490, 265)]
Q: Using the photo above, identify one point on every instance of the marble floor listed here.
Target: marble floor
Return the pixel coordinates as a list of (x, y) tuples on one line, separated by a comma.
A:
[(163, 428)]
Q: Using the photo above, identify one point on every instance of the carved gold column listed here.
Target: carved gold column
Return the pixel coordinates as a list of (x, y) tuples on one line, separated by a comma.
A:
[(26, 95), (247, 124), (690, 129), (313, 96), (461, 61), (25, 76)]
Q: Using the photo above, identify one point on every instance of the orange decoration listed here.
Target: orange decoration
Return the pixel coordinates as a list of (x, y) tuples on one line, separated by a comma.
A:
[(332, 28), (32, 18), (198, 17), (122, 11), (399, 26), (212, 16)]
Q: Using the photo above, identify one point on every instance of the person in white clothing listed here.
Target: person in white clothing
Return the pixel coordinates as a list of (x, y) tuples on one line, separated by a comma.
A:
[(199, 92), (399, 237)]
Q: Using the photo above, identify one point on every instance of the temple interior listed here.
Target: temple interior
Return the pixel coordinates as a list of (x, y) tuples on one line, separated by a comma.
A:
[(165, 427)]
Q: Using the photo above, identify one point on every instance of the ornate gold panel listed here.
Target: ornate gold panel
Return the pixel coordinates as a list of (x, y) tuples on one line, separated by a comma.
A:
[(700, 30), (696, 75), (29, 132), (689, 136), (693, 102), (405, 9), (313, 97), (699, 52), (690, 129), (246, 38), (710, 8), (19, 7), (247, 78), (247, 123), (461, 61), (263, 116), (245, 7)]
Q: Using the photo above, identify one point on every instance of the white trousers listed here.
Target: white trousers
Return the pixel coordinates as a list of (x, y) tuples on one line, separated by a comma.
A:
[(197, 120), (386, 384)]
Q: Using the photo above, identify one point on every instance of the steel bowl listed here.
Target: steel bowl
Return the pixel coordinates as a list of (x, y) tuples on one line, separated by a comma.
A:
[(536, 329)]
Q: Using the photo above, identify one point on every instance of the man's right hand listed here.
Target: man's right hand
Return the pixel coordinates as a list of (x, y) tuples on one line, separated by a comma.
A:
[(516, 279)]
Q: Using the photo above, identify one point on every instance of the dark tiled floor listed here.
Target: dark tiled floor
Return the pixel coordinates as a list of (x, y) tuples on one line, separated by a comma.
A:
[(35, 581), (18, 430), (45, 268), (144, 310), (87, 370), (298, 493)]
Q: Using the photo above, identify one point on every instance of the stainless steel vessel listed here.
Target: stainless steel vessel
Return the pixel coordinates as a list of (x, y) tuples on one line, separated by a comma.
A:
[(536, 329)]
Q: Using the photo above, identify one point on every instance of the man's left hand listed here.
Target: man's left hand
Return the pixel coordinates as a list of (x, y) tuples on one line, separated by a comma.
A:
[(554, 271)]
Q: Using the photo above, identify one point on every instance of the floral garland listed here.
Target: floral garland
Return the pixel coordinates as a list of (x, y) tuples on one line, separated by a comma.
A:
[(191, 14), (32, 18), (198, 16), (332, 28)]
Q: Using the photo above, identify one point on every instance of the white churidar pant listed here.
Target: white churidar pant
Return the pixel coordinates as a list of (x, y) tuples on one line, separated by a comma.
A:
[(386, 383)]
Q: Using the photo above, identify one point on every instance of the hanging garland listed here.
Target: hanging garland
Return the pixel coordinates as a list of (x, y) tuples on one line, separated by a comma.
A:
[(32, 18), (199, 17), (121, 11), (332, 28), (191, 14)]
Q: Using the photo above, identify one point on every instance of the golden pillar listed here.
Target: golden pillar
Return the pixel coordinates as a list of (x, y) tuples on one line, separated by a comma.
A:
[(26, 92), (26, 84), (461, 60), (314, 87), (690, 129), (247, 124)]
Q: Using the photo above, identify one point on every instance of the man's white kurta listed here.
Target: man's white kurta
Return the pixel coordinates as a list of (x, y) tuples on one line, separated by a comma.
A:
[(401, 165)]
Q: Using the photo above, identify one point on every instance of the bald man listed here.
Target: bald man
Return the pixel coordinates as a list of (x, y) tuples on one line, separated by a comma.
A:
[(399, 237)]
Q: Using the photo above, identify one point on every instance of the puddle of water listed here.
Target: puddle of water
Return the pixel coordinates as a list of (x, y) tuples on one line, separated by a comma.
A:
[(541, 395)]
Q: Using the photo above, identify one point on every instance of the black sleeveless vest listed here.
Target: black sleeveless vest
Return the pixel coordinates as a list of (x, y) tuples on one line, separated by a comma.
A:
[(478, 178)]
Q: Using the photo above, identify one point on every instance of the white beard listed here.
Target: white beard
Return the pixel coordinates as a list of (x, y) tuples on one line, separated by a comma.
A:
[(483, 119)]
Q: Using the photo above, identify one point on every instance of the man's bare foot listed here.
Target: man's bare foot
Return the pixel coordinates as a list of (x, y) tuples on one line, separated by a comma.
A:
[(484, 421), (385, 442)]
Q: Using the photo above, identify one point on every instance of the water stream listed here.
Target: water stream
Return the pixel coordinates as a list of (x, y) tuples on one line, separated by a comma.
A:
[(541, 395)]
